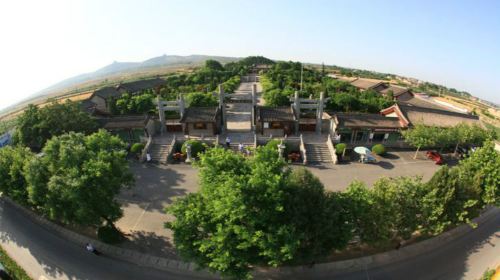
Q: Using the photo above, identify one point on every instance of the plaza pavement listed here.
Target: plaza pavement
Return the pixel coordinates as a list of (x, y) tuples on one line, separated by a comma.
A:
[(158, 185)]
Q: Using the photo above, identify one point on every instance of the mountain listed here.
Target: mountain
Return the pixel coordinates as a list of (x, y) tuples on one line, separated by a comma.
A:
[(124, 67)]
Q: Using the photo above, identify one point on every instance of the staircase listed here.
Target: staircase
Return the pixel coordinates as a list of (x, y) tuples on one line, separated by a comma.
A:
[(159, 152), (318, 153)]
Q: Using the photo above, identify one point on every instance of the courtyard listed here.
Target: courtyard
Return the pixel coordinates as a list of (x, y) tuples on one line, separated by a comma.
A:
[(157, 186)]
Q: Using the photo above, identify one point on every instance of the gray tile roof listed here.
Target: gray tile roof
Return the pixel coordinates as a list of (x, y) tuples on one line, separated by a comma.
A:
[(107, 92), (140, 85), (435, 117), (272, 114), (366, 120), (200, 114)]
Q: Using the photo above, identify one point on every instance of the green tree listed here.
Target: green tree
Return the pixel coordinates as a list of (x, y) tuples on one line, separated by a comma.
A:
[(77, 178), (421, 136), (451, 198), (12, 181), (37, 125), (483, 166), (213, 65), (200, 99), (255, 211)]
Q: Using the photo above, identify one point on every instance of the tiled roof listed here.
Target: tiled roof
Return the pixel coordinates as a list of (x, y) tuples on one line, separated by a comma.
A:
[(107, 92), (366, 120), (123, 122), (396, 90), (271, 114), (133, 87), (199, 114), (363, 83), (435, 117)]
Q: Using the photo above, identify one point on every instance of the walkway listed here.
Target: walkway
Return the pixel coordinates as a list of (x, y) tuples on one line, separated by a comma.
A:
[(239, 110)]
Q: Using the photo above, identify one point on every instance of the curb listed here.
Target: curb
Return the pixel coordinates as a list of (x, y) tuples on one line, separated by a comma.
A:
[(127, 255), (171, 265)]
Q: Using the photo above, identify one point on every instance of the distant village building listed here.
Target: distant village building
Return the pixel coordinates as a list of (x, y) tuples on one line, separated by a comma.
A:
[(383, 87)]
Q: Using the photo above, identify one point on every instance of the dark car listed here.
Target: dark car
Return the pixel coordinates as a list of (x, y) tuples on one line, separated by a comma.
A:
[(435, 156)]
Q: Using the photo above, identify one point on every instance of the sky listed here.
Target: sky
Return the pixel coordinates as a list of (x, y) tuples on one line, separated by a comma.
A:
[(453, 43)]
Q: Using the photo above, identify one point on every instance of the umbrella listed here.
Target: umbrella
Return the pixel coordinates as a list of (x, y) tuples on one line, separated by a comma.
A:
[(362, 150)]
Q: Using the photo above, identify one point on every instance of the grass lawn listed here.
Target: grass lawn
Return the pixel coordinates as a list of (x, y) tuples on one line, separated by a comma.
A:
[(14, 270)]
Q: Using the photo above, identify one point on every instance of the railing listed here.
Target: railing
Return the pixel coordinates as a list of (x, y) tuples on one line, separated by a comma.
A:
[(303, 151), (145, 151), (171, 148), (331, 148)]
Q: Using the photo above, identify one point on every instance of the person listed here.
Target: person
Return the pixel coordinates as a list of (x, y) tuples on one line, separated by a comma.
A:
[(228, 142), (148, 157), (241, 148), (91, 249)]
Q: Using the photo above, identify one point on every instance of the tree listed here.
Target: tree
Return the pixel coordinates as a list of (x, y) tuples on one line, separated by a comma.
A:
[(37, 125), (134, 104), (421, 136), (12, 181), (200, 99), (255, 211), (483, 166), (77, 178), (451, 198), (213, 65)]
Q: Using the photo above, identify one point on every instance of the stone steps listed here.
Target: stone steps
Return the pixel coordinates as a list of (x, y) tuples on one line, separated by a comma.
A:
[(159, 152), (318, 153)]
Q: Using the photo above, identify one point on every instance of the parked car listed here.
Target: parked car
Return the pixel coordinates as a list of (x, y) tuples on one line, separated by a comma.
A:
[(435, 156)]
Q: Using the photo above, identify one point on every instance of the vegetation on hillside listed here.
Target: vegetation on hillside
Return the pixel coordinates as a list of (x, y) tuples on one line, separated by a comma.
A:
[(7, 125), (284, 79)]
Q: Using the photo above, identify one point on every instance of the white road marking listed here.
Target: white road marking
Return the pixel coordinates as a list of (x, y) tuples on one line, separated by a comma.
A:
[(140, 217)]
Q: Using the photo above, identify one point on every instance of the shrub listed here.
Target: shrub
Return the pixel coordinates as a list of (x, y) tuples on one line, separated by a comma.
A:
[(378, 149), (196, 147), (109, 234), (137, 148), (274, 144), (340, 148)]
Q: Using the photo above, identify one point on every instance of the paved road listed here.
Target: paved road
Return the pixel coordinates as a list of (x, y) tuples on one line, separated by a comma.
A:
[(44, 254)]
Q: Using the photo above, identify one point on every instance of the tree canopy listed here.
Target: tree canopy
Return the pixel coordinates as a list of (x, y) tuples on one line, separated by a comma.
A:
[(247, 213), (201, 99), (12, 180), (284, 78), (37, 125), (76, 179)]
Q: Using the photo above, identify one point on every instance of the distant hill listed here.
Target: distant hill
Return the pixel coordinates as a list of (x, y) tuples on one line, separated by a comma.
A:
[(119, 67)]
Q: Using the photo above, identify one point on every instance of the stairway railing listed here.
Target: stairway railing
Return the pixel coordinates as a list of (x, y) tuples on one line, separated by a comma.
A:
[(303, 151), (145, 151), (331, 148)]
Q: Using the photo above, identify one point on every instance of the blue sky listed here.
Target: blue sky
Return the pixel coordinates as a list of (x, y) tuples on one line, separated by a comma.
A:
[(454, 43)]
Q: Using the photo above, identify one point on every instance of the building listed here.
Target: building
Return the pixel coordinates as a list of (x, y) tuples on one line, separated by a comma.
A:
[(383, 87), (140, 85), (201, 121), (410, 115), (129, 128), (99, 102), (278, 121), (365, 129)]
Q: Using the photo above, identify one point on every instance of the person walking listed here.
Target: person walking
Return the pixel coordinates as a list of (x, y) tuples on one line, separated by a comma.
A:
[(241, 148), (91, 249), (228, 142)]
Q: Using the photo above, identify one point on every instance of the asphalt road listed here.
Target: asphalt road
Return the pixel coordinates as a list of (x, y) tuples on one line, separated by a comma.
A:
[(47, 256)]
